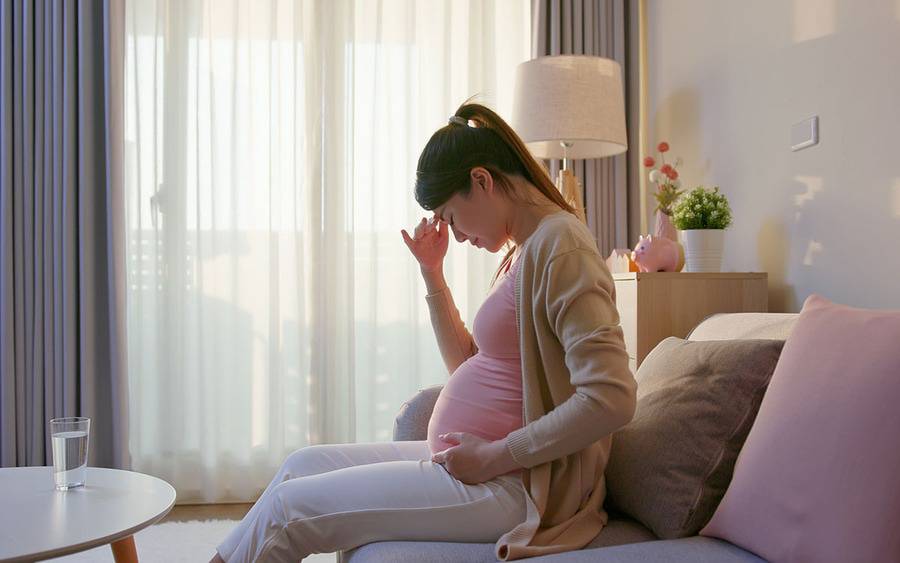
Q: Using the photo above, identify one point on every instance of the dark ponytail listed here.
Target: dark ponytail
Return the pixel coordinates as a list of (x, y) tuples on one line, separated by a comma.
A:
[(456, 149)]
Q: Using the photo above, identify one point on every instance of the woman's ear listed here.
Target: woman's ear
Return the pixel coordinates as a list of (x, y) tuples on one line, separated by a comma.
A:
[(481, 178)]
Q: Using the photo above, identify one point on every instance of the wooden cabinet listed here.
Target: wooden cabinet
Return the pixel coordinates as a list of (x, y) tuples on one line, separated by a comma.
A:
[(655, 305)]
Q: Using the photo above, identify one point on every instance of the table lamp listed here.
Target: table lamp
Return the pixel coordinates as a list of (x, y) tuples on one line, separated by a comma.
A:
[(570, 107)]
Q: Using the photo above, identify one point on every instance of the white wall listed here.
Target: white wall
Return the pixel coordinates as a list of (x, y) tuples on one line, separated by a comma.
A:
[(727, 78)]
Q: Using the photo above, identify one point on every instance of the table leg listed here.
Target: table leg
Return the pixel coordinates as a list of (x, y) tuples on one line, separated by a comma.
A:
[(124, 551)]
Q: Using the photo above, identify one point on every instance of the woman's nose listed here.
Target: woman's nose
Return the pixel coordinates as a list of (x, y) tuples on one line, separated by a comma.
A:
[(458, 235)]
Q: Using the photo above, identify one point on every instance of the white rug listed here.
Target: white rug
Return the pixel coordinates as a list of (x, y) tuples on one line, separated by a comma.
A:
[(175, 542)]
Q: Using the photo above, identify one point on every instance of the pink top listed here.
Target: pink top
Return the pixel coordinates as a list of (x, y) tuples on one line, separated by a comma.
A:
[(484, 395)]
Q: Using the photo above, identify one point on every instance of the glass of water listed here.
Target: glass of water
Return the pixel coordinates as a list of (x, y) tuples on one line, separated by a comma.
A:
[(69, 437)]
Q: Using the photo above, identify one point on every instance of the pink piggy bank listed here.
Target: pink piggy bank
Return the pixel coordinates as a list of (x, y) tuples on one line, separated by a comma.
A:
[(656, 254)]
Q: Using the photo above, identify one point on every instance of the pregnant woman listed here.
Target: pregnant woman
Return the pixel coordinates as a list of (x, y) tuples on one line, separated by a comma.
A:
[(520, 434)]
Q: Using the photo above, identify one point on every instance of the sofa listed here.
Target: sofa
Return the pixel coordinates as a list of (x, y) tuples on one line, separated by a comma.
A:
[(623, 539)]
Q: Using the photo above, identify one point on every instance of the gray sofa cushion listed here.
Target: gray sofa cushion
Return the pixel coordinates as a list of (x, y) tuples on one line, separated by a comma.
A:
[(688, 550), (621, 530), (670, 466), (617, 532), (419, 552), (411, 423)]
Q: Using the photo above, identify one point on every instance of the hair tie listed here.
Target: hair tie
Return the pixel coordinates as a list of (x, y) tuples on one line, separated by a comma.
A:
[(459, 120)]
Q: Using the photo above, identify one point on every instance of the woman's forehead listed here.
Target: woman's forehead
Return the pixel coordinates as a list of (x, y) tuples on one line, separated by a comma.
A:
[(449, 205)]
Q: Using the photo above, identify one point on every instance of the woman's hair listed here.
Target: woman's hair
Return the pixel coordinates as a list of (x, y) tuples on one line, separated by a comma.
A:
[(455, 149)]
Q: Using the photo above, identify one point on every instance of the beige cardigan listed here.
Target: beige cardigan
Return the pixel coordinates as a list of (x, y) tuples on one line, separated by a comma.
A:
[(577, 388)]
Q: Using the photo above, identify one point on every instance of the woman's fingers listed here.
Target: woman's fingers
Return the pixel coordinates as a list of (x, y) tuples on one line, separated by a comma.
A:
[(411, 240), (422, 228), (428, 226)]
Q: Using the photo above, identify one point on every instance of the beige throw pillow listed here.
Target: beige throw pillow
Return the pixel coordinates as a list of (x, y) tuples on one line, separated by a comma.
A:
[(670, 466)]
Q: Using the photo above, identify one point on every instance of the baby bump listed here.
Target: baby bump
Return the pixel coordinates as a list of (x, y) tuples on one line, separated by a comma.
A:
[(483, 397)]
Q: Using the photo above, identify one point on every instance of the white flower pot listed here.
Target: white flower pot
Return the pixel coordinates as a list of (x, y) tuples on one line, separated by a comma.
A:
[(702, 249)]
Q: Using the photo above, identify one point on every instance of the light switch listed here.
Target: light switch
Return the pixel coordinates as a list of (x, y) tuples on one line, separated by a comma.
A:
[(805, 134)]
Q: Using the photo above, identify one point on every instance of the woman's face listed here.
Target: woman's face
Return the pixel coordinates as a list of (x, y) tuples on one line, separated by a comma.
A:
[(478, 217)]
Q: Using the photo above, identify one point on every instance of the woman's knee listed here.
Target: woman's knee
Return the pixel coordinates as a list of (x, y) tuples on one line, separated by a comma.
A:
[(308, 460), (286, 527), (299, 500)]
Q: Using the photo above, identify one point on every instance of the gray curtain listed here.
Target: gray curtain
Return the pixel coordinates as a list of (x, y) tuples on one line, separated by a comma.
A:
[(62, 345), (590, 27)]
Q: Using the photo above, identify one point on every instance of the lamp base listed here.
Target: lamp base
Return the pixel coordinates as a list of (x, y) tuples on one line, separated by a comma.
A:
[(570, 188)]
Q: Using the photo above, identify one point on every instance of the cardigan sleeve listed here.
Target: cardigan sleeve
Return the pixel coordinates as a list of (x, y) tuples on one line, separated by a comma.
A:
[(578, 293), (454, 340)]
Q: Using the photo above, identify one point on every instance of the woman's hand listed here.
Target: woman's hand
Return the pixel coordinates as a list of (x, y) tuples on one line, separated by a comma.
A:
[(428, 243), (475, 460)]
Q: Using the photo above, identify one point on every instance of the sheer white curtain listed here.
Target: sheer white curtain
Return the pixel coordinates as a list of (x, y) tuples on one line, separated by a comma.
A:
[(271, 149)]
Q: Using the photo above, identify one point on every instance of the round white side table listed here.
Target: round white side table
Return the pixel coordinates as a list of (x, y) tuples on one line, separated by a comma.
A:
[(39, 522)]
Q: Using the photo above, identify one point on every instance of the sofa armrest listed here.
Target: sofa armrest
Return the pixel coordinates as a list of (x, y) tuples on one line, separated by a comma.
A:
[(411, 422)]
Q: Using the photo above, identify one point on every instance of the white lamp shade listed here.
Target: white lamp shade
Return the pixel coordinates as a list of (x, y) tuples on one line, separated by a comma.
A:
[(571, 98)]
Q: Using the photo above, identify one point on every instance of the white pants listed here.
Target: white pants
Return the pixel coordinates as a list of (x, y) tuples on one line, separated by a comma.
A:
[(334, 497)]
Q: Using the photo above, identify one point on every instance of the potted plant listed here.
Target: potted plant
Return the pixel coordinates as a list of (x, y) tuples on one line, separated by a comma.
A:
[(701, 217)]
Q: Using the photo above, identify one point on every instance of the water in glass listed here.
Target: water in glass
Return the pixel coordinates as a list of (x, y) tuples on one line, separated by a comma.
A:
[(70, 451)]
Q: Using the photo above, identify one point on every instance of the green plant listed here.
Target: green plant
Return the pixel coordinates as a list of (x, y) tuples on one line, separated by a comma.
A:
[(702, 209), (665, 195)]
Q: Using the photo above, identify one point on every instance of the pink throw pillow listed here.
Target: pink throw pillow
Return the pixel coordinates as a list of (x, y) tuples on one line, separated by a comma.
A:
[(818, 478)]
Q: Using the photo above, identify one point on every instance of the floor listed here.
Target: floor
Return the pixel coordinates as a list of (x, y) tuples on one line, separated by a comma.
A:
[(191, 512), (186, 534), (187, 512)]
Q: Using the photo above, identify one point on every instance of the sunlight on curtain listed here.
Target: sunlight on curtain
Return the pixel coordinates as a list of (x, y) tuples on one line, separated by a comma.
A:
[(270, 158)]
